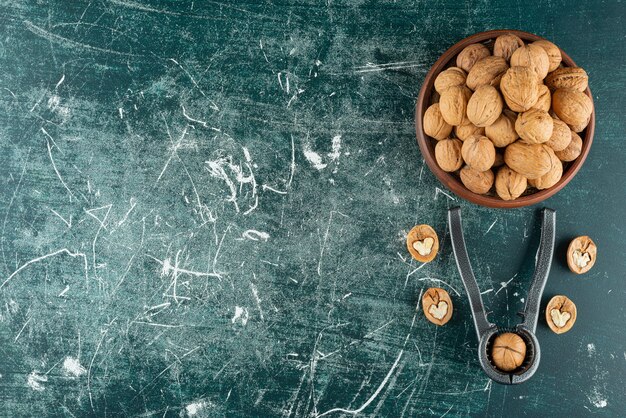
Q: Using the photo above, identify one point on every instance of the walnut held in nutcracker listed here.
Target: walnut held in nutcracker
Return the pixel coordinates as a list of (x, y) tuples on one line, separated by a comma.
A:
[(509, 184), (448, 154), (551, 177), (470, 55), (502, 132), (437, 306), (572, 107), (478, 152), (520, 88), (560, 314), (568, 78), (453, 76), (466, 130), (532, 56), (488, 70), (422, 243), (545, 99), (434, 124), (553, 51), (506, 44), (561, 136), (453, 104), (485, 106), (508, 351), (478, 182), (530, 160), (581, 254), (573, 150), (534, 126)]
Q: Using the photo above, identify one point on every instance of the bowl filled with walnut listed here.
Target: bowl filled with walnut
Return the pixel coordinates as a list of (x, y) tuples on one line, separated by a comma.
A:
[(505, 119)]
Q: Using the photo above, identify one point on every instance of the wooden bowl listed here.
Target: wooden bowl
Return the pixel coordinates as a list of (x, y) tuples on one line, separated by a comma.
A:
[(451, 180)]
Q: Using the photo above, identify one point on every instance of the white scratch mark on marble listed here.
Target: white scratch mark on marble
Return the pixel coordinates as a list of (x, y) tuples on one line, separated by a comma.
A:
[(597, 399), (440, 281), (486, 291), (255, 293), (371, 398), (189, 118), (43, 257), (72, 367), (591, 349), (35, 381), (69, 224), (503, 285), (313, 157), (370, 67), (241, 315), (56, 170), (196, 407), (22, 329), (438, 191), (490, 227), (336, 148), (103, 334), (60, 82), (271, 189), (188, 75), (64, 291), (254, 235), (169, 269)]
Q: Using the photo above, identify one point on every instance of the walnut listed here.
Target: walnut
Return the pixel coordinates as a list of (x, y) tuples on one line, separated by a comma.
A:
[(552, 177), (534, 126), (437, 306), (479, 182), (453, 76), (581, 254), (453, 104), (478, 152), (545, 99), (530, 160), (502, 131), (465, 131), (560, 314), (561, 135), (520, 88), (434, 124), (572, 107), (573, 150), (532, 56), (470, 55), (485, 106), (506, 44), (422, 243), (448, 154), (487, 71), (508, 351), (568, 78), (509, 184), (553, 51)]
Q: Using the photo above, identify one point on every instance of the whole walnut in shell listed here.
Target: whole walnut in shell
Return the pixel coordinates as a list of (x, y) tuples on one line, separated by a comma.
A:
[(453, 104), (568, 78), (545, 99), (479, 182), (561, 136), (502, 132), (573, 150), (488, 70), (485, 106), (520, 88), (434, 124), (551, 177), (530, 160), (506, 44), (509, 184), (553, 51), (532, 56), (448, 154), (572, 107), (478, 152), (534, 126), (453, 76), (466, 130), (470, 55)]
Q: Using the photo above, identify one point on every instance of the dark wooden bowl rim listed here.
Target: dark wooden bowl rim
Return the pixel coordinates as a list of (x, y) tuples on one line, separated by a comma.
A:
[(454, 183)]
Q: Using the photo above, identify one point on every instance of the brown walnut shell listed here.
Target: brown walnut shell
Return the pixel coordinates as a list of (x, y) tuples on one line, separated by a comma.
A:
[(509, 184), (573, 150), (422, 243), (553, 51), (488, 70), (561, 135), (544, 102), (530, 160), (508, 351), (581, 254), (502, 132), (560, 314), (568, 78), (551, 177), (437, 305), (520, 88), (470, 55), (453, 104), (532, 56), (506, 44), (453, 76), (448, 154), (434, 124), (465, 131), (478, 152), (534, 126), (478, 182), (572, 107), (485, 106)]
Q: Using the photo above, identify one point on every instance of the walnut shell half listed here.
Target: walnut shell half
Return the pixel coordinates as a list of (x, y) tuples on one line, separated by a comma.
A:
[(581, 254), (422, 243), (437, 305), (560, 314)]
